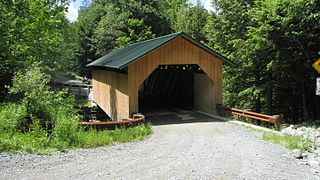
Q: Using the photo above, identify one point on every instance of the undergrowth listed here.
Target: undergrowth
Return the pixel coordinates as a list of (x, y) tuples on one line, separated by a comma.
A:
[(43, 144), (39, 120)]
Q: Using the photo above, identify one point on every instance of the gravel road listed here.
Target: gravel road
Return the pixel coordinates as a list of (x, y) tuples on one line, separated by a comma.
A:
[(184, 145)]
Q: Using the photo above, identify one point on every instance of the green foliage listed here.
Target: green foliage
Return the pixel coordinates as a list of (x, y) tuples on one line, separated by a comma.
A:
[(136, 31), (33, 99), (37, 142), (106, 25), (11, 115), (83, 102), (33, 31), (273, 44), (288, 141), (136, 133), (191, 20), (55, 122), (24, 143), (31, 87), (93, 138)]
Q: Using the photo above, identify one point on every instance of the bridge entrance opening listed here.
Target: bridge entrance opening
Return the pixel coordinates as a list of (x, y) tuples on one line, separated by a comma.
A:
[(170, 87)]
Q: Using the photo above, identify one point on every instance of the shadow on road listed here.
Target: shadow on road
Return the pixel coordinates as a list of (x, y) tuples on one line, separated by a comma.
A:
[(173, 115)]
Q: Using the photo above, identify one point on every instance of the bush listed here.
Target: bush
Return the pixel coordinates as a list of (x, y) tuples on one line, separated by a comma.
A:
[(31, 86), (11, 115), (42, 103), (32, 97)]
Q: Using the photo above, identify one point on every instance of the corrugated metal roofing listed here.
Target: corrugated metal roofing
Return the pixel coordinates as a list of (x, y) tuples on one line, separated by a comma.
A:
[(120, 58)]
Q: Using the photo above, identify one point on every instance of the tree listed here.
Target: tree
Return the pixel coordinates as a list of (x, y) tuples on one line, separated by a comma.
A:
[(108, 24), (31, 31), (273, 43), (191, 19), (226, 32)]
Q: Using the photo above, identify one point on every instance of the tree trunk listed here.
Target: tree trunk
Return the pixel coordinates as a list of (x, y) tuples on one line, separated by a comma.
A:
[(269, 94), (304, 101), (257, 105)]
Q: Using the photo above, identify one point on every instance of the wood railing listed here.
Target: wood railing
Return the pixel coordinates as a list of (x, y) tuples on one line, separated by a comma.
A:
[(274, 119), (137, 119)]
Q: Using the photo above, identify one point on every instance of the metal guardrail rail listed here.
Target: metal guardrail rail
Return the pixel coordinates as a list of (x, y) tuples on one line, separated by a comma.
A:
[(274, 119), (137, 119)]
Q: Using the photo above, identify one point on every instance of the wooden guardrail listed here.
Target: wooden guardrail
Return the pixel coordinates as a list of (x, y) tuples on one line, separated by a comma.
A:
[(137, 119), (274, 119)]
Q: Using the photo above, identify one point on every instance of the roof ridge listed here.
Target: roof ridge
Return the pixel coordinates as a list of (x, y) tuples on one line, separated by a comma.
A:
[(160, 37), (121, 57)]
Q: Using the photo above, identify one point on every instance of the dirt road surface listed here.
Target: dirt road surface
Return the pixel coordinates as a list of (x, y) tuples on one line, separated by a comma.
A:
[(184, 145)]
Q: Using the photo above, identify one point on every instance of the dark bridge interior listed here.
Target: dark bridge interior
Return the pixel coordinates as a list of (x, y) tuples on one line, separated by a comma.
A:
[(168, 86)]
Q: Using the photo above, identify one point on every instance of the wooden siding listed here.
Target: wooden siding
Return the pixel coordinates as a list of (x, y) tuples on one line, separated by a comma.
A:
[(203, 93), (179, 51), (110, 92)]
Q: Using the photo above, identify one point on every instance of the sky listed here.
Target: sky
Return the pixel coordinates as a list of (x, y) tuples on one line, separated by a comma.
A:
[(74, 6)]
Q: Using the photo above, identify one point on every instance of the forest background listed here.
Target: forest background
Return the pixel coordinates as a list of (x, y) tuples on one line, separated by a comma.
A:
[(271, 43)]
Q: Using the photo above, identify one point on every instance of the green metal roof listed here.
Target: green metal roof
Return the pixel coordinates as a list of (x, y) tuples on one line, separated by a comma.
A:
[(121, 58)]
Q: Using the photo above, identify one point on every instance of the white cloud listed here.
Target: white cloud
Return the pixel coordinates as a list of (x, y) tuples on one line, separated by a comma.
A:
[(72, 14), (207, 5)]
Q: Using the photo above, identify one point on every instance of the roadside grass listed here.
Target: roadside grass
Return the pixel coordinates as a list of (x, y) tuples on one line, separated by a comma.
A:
[(288, 141), (94, 138), (43, 144)]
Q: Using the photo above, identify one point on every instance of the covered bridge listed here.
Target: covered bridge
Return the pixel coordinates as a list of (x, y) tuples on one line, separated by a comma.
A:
[(174, 69)]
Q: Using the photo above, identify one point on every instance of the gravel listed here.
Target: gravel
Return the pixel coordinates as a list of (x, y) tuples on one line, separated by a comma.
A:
[(305, 132), (191, 146)]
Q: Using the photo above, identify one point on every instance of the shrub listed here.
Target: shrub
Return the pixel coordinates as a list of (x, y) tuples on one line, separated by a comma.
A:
[(31, 86), (33, 98), (42, 103), (11, 115)]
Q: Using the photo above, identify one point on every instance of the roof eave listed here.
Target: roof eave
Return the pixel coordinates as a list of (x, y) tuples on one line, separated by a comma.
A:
[(179, 34)]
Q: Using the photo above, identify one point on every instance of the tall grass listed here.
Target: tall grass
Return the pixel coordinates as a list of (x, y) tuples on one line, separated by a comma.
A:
[(39, 142), (93, 138)]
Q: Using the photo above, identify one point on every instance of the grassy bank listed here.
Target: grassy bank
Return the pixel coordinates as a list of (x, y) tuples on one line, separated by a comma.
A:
[(288, 141), (39, 142), (36, 119)]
